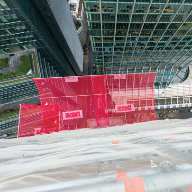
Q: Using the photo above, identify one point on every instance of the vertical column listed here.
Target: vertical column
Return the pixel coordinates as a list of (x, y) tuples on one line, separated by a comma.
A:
[(37, 59), (40, 65), (115, 34), (49, 71), (52, 71), (55, 73), (45, 68), (127, 34), (101, 33)]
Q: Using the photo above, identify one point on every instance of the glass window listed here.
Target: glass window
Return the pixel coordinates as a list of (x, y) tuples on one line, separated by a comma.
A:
[(3, 19), (3, 6), (9, 19)]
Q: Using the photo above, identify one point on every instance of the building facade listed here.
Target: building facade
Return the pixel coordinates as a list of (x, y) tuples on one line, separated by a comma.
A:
[(45, 26), (134, 36)]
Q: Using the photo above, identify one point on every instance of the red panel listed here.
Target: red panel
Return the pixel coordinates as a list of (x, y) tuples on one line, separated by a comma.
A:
[(43, 88), (50, 118), (87, 105), (100, 97), (132, 90), (70, 103), (30, 120), (38, 119), (74, 86), (116, 96)]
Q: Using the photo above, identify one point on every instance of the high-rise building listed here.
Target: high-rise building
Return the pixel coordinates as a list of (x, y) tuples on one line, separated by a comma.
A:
[(47, 26), (133, 36)]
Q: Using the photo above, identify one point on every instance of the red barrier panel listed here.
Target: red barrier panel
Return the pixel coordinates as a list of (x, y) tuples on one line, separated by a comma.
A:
[(96, 101), (38, 119)]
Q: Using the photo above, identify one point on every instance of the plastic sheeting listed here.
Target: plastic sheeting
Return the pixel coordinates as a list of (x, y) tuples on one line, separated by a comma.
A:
[(83, 160), (98, 101)]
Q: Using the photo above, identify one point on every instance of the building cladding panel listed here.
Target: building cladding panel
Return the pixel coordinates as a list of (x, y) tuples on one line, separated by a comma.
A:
[(141, 36), (62, 14), (14, 36), (26, 27), (82, 31), (58, 18)]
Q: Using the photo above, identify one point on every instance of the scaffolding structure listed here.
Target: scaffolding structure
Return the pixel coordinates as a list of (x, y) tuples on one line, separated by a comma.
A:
[(175, 95)]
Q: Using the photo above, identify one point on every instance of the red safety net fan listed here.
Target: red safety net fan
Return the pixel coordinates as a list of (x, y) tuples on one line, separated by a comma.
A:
[(69, 103)]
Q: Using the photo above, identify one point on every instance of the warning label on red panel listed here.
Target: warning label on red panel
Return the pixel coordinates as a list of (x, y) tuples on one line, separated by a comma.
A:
[(72, 114), (37, 131), (124, 108), (121, 76), (71, 79)]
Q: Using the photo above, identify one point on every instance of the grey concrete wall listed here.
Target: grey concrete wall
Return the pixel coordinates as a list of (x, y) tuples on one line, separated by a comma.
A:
[(64, 19)]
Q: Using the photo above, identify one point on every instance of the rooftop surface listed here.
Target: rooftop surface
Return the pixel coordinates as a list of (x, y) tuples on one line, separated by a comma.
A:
[(86, 159)]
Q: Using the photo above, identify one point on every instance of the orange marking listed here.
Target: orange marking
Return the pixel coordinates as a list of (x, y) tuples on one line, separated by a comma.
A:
[(115, 142), (190, 188), (135, 184), (121, 175)]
